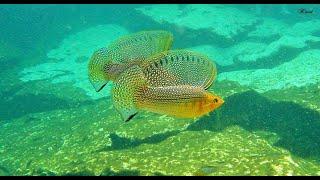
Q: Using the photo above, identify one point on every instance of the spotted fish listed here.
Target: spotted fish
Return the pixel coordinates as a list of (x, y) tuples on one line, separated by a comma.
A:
[(173, 83), (179, 67), (107, 63)]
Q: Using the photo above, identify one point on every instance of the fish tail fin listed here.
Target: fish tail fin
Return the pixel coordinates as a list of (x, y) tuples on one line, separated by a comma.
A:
[(97, 75), (125, 92)]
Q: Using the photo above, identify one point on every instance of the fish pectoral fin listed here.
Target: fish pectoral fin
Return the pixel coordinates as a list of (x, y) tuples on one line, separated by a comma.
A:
[(96, 73), (98, 86), (127, 111), (125, 92), (128, 117)]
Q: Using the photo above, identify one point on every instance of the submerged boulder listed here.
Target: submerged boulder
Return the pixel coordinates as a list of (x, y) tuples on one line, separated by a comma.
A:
[(221, 20), (301, 71), (269, 28), (228, 56), (237, 37), (271, 44)]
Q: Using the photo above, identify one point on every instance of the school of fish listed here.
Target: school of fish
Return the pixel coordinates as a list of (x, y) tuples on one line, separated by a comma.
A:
[(147, 75)]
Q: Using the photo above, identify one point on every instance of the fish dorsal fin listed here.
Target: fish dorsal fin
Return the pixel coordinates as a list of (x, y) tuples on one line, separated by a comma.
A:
[(97, 63), (125, 90), (139, 46), (180, 67)]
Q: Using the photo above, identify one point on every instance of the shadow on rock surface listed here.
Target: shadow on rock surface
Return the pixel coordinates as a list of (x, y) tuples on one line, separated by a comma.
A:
[(120, 143), (297, 127), (16, 105)]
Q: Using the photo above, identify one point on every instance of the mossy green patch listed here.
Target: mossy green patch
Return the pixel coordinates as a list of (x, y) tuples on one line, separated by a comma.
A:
[(307, 96), (87, 141)]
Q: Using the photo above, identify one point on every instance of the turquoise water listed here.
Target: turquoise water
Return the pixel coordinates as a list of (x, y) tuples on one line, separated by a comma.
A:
[(53, 122)]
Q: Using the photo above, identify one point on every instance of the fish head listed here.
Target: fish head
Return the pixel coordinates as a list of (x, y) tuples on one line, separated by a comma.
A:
[(214, 101)]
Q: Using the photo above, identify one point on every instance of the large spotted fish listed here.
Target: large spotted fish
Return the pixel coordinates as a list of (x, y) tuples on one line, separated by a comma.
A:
[(179, 67), (108, 63), (172, 83)]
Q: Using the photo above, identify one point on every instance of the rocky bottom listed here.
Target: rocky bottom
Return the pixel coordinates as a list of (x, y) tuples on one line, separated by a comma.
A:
[(252, 134)]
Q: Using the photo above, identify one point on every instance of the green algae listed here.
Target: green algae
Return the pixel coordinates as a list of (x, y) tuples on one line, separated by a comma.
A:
[(4, 171), (90, 139), (83, 141), (307, 96)]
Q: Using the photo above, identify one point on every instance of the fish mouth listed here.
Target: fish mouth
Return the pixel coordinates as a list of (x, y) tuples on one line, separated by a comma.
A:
[(220, 103)]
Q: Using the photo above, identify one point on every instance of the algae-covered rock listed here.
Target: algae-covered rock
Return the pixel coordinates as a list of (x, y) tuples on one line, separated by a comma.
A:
[(202, 17), (214, 53), (92, 140), (301, 71), (264, 40), (283, 38), (269, 28), (271, 43), (280, 46), (72, 56), (242, 52), (256, 52), (230, 152), (307, 96), (305, 28)]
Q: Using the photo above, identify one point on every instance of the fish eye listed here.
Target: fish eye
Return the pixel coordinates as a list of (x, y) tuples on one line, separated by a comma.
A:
[(215, 100)]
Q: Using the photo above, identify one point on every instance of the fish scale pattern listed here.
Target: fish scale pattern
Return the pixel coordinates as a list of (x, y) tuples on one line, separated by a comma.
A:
[(184, 66), (134, 47), (146, 74)]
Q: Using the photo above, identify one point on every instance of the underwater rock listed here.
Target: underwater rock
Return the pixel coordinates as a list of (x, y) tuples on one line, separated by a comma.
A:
[(69, 65), (271, 40), (215, 53), (299, 36), (307, 96), (67, 142), (283, 37), (202, 17), (243, 52), (228, 56), (284, 123), (276, 47), (311, 27), (301, 71), (248, 52), (273, 27), (269, 28), (253, 52)]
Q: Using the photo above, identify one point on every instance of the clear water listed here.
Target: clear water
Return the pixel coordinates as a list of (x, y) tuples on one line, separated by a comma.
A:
[(52, 122)]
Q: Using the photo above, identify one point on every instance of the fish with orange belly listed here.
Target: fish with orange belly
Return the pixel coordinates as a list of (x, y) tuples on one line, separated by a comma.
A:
[(179, 101), (165, 88), (148, 76)]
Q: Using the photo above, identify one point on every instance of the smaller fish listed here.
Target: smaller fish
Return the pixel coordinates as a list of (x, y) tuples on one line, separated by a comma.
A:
[(107, 63), (132, 93)]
